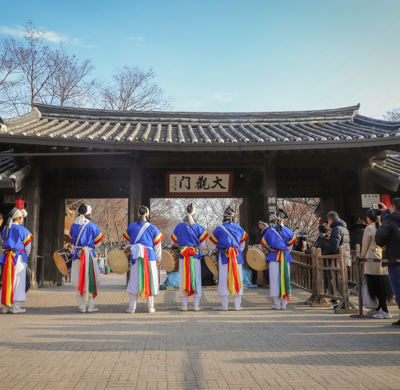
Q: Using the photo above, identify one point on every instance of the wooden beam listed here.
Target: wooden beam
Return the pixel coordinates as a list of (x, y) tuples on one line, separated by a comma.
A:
[(33, 205)]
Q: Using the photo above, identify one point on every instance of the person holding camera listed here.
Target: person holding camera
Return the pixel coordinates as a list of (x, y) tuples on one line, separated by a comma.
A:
[(322, 240), (388, 235), (378, 283)]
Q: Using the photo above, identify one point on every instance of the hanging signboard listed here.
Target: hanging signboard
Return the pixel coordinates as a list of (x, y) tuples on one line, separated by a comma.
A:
[(368, 200), (199, 184)]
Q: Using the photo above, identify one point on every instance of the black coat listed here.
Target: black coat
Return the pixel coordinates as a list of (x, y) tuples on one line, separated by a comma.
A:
[(322, 243), (339, 236), (389, 234), (356, 234)]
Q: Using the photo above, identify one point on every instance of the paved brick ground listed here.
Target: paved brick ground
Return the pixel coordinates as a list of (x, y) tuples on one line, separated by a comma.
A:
[(53, 346)]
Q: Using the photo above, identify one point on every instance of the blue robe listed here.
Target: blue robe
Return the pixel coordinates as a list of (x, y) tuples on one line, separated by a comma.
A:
[(18, 238), (90, 237), (191, 235), (224, 241), (150, 238), (277, 244)]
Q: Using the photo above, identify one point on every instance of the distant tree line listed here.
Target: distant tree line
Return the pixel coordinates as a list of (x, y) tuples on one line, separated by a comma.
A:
[(393, 115), (32, 72)]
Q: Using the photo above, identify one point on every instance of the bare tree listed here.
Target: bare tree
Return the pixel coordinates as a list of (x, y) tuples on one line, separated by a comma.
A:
[(9, 77), (32, 72), (393, 115), (131, 89), (37, 63), (67, 85), (301, 214)]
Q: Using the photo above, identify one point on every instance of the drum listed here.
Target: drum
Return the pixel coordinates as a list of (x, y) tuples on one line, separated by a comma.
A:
[(63, 260), (212, 261), (170, 259), (118, 261), (256, 255)]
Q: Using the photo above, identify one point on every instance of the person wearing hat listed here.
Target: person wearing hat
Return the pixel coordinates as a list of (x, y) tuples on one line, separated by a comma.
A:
[(16, 248), (190, 237), (230, 239), (85, 275), (280, 239), (263, 226), (145, 242)]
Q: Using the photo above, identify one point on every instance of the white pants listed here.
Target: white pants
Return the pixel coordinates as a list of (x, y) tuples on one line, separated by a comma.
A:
[(133, 285), (275, 283), (223, 290), (197, 295), (133, 300), (19, 285), (75, 271)]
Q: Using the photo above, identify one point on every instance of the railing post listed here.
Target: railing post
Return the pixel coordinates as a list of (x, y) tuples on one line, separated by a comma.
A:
[(345, 305), (319, 300)]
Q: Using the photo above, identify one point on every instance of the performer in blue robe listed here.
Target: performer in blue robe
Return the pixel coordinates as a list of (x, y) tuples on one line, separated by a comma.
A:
[(230, 239), (145, 242), (16, 248), (85, 275), (280, 239), (190, 237), (263, 226)]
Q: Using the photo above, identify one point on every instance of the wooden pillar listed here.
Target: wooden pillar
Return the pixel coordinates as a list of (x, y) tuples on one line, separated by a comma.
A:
[(269, 190), (269, 200), (57, 237), (32, 223), (135, 192)]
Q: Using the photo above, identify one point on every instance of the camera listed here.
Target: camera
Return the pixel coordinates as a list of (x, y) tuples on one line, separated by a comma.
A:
[(323, 235), (376, 206)]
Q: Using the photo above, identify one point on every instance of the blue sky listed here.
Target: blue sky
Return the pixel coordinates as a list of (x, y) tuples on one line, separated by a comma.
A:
[(230, 55)]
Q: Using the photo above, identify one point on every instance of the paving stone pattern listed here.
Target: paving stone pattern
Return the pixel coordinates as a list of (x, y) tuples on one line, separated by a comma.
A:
[(52, 346)]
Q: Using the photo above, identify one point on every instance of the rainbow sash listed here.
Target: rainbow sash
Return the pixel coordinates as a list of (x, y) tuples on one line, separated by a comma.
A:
[(284, 288), (87, 274), (146, 279), (7, 290), (234, 282), (189, 272)]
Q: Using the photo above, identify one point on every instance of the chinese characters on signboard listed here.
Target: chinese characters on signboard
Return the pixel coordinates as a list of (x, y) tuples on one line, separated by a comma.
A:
[(368, 200), (199, 184), (271, 210)]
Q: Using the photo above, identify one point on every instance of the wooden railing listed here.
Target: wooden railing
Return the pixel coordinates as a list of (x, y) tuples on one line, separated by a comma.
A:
[(324, 276)]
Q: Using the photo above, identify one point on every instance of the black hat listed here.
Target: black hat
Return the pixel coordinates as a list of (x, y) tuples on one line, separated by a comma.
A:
[(281, 215)]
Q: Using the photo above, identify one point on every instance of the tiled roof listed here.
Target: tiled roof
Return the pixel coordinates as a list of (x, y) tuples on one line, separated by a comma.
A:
[(387, 172), (132, 129), (12, 175)]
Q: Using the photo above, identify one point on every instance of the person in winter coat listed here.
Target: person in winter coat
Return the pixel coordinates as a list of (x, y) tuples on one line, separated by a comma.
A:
[(378, 283), (356, 233), (339, 236), (322, 240), (388, 235)]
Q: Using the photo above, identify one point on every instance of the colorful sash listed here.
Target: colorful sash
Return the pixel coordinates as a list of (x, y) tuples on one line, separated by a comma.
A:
[(87, 273), (234, 282), (146, 281), (189, 272), (7, 290), (284, 288)]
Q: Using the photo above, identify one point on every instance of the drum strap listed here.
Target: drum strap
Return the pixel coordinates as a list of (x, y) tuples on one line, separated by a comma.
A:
[(141, 232), (278, 235), (233, 238), (80, 234)]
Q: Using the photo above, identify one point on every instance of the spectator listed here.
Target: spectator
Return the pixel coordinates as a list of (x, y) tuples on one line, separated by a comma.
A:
[(339, 236), (378, 283), (356, 233), (322, 240), (388, 235)]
